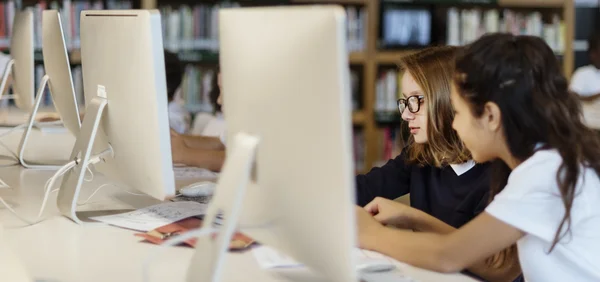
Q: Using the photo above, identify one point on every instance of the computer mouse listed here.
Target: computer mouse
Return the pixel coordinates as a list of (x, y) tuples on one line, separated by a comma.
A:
[(199, 189), (370, 267)]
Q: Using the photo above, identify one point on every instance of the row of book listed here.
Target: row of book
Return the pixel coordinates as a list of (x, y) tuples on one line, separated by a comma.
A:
[(197, 85), (392, 140), (467, 25), (192, 28), (77, 76), (69, 12), (387, 91), (358, 142), (196, 27)]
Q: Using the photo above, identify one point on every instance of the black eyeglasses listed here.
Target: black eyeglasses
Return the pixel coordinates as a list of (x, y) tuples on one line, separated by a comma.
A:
[(413, 103)]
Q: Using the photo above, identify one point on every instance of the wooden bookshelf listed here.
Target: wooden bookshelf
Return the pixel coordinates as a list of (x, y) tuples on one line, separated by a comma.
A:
[(533, 3), (359, 118), (391, 57), (371, 59), (357, 57), (341, 2)]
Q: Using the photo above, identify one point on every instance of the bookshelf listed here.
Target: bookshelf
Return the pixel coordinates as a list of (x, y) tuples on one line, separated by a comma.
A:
[(372, 61), (366, 58), (69, 12)]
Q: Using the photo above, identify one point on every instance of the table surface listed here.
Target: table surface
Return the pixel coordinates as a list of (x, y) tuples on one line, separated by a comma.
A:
[(58, 249)]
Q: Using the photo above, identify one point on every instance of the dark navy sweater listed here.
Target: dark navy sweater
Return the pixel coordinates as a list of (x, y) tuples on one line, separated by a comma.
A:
[(439, 192)]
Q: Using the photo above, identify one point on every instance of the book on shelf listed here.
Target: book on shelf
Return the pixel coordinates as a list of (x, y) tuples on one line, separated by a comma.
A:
[(192, 27), (387, 92), (467, 25), (358, 142), (69, 13), (356, 28), (196, 87), (392, 140), (196, 27)]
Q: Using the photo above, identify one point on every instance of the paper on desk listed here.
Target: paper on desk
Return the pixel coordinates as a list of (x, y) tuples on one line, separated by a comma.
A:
[(152, 217), (182, 172), (269, 258)]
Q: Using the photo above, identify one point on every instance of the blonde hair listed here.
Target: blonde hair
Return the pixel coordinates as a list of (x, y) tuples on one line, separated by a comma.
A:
[(433, 70)]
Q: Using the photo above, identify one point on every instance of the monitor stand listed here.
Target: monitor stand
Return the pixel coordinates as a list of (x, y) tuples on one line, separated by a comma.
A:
[(224, 210), (30, 124), (82, 155)]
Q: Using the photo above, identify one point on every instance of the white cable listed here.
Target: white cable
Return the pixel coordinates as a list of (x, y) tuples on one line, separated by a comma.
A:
[(92, 175), (195, 233), (16, 214), (105, 185), (50, 183), (94, 160), (8, 96)]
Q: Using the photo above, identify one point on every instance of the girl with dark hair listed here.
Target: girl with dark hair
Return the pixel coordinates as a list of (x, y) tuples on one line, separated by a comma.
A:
[(512, 107)]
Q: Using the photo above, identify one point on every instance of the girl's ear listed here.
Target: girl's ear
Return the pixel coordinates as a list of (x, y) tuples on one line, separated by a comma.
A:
[(492, 116)]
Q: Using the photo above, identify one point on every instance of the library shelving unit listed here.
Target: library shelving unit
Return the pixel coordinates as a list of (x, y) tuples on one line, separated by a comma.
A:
[(371, 58)]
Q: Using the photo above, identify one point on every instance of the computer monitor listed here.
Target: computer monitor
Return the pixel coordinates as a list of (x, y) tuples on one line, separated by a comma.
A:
[(285, 76), (21, 66), (123, 61), (59, 81)]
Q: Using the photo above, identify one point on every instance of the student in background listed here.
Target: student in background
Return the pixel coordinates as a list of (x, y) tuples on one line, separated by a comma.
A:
[(199, 151), (586, 80), (447, 188), (586, 84), (179, 117), (210, 124), (513, 107)]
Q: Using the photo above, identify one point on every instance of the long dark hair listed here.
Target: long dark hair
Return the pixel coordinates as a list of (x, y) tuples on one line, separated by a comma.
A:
[(522, 76)]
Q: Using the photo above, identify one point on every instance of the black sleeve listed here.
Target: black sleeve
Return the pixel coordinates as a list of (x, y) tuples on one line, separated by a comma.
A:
[(389, 181)]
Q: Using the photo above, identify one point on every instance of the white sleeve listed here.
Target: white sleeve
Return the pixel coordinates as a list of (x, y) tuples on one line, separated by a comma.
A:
[(583, 81), (531, 201)]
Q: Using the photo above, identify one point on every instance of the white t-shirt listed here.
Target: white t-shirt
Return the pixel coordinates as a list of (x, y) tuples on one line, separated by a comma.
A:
[(586, 82), (531, 202), (179, 117)]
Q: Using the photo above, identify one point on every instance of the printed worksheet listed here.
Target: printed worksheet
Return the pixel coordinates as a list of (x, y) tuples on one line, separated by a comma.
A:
[(152, 217)]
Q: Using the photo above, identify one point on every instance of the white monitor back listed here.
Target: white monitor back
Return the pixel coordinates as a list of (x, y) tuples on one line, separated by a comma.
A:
[(285, 77), (58, 69), (123, 50), (21, 51)]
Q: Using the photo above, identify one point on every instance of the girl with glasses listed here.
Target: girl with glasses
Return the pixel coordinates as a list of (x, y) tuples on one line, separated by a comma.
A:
[(447, 188)]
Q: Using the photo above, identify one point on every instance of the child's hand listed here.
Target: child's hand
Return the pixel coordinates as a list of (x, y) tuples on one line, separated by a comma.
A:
[(389, 212)]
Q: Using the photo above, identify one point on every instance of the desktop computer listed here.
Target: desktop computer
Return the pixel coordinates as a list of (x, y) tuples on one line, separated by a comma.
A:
[(59, 81), (21, 66), (126, 128), (285, 76)]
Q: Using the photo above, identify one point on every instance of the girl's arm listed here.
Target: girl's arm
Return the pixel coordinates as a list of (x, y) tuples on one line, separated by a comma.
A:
[(470, 245), (506, 272)]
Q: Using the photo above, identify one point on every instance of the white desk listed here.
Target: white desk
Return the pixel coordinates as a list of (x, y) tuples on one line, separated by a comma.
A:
[(60, 250)]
